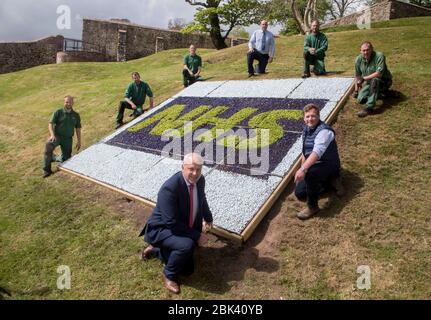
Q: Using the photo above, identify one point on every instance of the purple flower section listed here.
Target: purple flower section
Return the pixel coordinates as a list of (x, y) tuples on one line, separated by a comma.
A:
[(144, 141)]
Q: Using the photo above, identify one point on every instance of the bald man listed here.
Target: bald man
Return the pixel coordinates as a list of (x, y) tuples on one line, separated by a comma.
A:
[(179, 222)]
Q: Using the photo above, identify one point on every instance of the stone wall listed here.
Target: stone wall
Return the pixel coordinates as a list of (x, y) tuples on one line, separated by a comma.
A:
[(127, 41), (404, 10), (79, 56), (16, 56), (383, 11)]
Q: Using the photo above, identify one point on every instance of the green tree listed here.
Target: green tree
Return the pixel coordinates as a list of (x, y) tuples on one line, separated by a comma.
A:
[(219, 17), (295, 15), (177, 24), (239, 32)]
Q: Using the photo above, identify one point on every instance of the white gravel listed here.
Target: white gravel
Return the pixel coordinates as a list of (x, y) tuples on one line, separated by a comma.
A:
[(322, 88), (200, 89), (234, 199), (260, 89)]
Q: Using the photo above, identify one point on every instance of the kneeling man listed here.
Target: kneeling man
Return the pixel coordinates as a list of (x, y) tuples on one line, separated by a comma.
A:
[(320, 165), (179, 222), (373, 78)]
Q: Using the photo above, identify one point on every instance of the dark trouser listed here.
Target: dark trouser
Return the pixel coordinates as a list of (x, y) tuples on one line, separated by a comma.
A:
[(125, 105), (66, 151), (370, 91), (177, 253), (262, 58), (317, 61), (188, 79), (315, 183)]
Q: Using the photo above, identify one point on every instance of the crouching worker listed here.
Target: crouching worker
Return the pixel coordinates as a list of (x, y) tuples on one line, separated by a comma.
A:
[(320, 167), (134, 99), (179, 222), (61, 128), (373, 78)]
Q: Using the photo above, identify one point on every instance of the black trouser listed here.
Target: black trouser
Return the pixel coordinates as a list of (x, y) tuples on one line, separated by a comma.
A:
[(188, 79), (316, 182), (125, 105), (262, 58)]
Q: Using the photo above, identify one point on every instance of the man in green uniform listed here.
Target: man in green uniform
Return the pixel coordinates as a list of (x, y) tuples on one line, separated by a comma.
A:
[(61, 128), (315, 45), (192, 67), (134, 99), (373, 78)]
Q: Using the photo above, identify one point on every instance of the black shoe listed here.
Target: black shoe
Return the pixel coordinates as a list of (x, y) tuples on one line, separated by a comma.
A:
[(355, 94), (46, 174), (306, 75), (251, 75), (363, 113), (119, 125)]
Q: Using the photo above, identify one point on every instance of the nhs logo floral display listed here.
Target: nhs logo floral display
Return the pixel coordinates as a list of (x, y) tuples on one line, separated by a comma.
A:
[(248, 132)]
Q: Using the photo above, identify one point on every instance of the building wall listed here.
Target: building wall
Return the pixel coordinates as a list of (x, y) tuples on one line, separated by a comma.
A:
[(16, 56), (383, 11), (404, 10), (79, 56), (138, 41)]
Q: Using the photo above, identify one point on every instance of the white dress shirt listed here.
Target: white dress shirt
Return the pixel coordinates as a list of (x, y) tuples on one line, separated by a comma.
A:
[(256, 42)]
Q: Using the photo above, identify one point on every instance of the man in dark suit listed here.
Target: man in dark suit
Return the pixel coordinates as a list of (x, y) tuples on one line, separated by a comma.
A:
[(179, 222)]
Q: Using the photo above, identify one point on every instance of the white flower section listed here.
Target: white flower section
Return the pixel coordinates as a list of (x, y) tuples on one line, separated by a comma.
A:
[(257, 89), (327, 109), (138, 119), (200, 89), (147, 184), (91, 159), (288, 161), (235, 199), (322, 88)]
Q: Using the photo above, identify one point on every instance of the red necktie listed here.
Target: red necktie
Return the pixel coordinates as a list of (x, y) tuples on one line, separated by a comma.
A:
[(191, 206)]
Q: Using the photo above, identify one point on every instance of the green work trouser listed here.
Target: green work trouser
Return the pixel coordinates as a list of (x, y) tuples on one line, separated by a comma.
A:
[(66, 151), (370, 91), (125, 105), (316, 60)]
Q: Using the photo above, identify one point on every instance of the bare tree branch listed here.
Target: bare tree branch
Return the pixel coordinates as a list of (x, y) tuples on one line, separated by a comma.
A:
[(197, 3)]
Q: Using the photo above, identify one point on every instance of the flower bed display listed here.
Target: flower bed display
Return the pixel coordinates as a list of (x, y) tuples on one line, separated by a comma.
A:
[(249, 133)]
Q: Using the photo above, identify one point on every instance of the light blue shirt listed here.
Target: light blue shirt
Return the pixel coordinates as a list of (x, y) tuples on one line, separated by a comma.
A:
[(322, 141), (256, 42)]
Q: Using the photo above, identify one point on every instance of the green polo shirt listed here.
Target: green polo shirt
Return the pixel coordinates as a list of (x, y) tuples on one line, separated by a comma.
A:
[(137, 93), (193, 62), (65, 122), (317, 41), (377, 63)]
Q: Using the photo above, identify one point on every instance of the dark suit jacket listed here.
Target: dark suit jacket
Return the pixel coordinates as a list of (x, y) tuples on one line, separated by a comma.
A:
[(171, 214)]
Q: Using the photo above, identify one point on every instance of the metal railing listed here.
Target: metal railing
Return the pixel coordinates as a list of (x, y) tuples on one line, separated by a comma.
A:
[(79, 45)]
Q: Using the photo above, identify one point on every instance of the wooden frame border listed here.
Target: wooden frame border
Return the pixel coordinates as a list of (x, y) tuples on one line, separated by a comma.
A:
[(252, 225)]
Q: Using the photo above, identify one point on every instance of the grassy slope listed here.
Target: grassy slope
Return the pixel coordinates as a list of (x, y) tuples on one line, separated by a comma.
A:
[(383, 222)]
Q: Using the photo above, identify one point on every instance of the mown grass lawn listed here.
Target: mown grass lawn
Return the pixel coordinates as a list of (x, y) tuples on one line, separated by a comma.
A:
[(383, 222)]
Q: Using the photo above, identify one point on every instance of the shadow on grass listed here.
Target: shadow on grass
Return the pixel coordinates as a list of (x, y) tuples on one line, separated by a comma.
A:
[(393, 99), (218, 267), (330, 73), (334, 205)]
